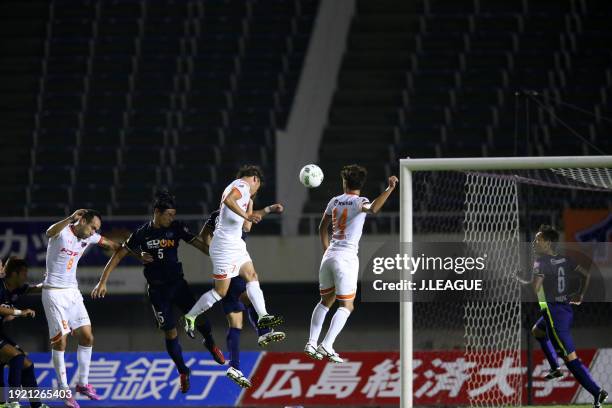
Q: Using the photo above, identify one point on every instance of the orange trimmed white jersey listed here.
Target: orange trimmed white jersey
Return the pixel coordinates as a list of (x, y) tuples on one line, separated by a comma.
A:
[(229, 224), (63, 253), (347, 221)]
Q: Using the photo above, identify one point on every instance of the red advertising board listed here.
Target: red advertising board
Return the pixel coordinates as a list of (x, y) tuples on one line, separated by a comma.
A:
[(372, 378)]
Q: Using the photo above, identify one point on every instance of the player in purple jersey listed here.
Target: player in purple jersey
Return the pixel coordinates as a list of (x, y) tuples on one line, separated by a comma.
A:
[(158, 241), (13, 285), (552, 273)]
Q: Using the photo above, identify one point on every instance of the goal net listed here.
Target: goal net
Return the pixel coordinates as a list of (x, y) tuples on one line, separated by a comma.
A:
[(492, 205)]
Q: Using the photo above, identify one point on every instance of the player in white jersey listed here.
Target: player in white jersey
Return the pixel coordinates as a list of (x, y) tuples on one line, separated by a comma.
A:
[(339, 268), (62, 299), (228, 250)]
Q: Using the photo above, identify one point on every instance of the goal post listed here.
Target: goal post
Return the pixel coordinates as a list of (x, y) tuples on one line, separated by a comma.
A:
[(581, 172)]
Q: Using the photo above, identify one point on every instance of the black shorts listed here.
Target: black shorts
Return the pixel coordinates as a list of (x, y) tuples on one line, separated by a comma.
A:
[(164, 297)]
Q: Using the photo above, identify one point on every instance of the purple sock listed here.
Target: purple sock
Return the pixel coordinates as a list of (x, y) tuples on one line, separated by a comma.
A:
[(2, 396), (233, 346), (28, 379), (15, 369), (549, 351), (176, 353), (205, 329), (253, 317), (581, 373)]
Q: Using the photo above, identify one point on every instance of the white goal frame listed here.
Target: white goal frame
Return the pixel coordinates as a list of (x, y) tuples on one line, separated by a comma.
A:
[(407, 167)]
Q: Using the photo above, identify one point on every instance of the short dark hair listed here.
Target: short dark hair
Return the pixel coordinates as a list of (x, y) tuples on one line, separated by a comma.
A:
[(549, 233), (14, 264), (89, 215), (354, 175), (163, 201), (250, 170)]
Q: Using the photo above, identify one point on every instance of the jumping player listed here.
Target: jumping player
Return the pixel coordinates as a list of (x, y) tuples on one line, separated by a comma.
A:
[(21, 368), (236, 302), (62, 299), (158, 241), (228, 251), (552, 273), (339, 268)]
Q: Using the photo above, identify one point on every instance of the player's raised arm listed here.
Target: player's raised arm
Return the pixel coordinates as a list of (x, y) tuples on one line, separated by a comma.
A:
[(246, 225), (56, 228), (100, 290), (324, 230), (109, 244), (271, 209), (376, 205), (231, 201)]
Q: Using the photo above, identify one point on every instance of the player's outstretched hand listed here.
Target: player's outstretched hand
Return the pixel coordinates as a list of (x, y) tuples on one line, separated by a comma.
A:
[(77, 214), (254, 218), (99, 291), (393, 182), (146, 257), (28, 313), (277, 208)]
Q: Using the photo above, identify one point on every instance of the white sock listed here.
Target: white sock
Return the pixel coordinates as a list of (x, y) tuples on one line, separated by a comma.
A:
[(84, 360), (336, 326), (60, 368), (205, 302), (256, 297), (316, 323)]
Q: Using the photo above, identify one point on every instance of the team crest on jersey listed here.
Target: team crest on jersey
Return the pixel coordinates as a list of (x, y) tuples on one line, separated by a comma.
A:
[(83, 244)]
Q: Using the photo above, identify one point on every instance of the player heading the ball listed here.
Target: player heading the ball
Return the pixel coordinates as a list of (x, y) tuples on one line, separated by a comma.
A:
[(228, 251)]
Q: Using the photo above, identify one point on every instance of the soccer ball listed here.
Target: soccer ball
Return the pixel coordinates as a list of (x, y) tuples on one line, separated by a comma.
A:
[(311, 176)]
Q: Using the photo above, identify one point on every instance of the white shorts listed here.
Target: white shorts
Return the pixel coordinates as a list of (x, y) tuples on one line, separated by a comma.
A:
[(65, 311), (339, 272), (228, 257)]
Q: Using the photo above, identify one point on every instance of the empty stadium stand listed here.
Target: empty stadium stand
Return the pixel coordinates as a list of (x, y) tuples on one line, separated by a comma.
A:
[(437, 78), (102, 102)]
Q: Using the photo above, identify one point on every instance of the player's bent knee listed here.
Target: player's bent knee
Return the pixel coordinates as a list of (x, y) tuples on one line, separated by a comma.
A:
[(234, 320), (87, 339), (348, 305), (171, 334), (328, 300), (59, 345)]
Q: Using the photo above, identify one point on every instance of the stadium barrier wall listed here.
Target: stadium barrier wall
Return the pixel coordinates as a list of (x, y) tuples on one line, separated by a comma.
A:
[(366, 379)]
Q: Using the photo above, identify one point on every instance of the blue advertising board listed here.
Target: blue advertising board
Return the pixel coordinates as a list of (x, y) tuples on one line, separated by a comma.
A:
[(149, 379)]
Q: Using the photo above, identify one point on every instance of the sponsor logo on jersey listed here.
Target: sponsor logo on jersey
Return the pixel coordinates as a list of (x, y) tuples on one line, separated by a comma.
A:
[(69, 252), (160, 243)]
